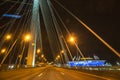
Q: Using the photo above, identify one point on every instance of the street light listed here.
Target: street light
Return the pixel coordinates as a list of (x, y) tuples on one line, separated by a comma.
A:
[(27, 37), (57, 57), (33, 44), (38, 51), (3, 50), (62, 51), (72, 39), (8, 37), (42, 55)]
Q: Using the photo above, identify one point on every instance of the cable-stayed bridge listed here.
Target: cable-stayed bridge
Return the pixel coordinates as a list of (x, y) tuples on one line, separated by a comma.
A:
[(26, 24)]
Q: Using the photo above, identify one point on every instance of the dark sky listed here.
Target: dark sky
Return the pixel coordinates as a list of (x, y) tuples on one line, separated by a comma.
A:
[(101, 15)]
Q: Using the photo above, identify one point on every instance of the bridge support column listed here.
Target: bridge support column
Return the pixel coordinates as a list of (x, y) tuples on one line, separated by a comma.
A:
[(33, 27)]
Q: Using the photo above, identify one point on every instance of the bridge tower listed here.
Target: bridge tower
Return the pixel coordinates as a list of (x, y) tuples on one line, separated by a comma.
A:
[(33, 28)]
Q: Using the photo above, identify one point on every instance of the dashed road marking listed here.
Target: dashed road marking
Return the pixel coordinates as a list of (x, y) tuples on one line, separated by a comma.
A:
[(62, 73), (94, 75), (40, 74)]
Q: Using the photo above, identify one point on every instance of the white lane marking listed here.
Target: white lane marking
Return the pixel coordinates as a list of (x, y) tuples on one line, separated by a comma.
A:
[(40, 74), (94, 75), (62, 73), (105, 78)]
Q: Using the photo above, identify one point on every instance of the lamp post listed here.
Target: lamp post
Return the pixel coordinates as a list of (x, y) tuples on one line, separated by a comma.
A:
[(7, 37), (57, 58), (26, 38), (73, 41)]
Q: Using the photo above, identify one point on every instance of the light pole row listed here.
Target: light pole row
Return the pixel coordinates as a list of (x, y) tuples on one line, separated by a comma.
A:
[(5, 52)]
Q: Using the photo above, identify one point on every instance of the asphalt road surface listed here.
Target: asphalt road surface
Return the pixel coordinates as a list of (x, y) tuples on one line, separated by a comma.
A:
[(48, 73)]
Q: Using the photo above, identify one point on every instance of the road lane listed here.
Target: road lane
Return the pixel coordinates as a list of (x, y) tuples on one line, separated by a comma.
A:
[(48, 73), (80, 75), (21, 74), (63, 74)]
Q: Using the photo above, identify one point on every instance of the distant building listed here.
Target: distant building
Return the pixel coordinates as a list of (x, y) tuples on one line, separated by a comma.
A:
[(87, 61)]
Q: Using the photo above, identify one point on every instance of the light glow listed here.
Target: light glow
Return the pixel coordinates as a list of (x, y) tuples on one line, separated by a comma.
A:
[(3, 50), (8, 37), (38, 50), (62, 51), (72, 39), (27, 37), (42, 55), (58, 56)]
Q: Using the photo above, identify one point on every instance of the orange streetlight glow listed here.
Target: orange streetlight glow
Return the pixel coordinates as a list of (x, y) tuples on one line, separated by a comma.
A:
[(27, 37), (38, 50), (8, 37), (33, 44), (72, 39), (58, 56), (3, 50), (62, 51), (42, 55)]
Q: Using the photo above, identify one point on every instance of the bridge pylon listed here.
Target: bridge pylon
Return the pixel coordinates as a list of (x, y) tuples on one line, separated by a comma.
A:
[(33, 29)]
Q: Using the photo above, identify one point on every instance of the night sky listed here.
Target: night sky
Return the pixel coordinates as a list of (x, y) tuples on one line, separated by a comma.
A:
[(101, 15)]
